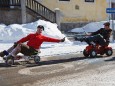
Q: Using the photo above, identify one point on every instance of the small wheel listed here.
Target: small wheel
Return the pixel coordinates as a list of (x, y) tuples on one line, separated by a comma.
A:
[(85, 53), (36, 59), (109, 52), (9, 62), (93, 53)]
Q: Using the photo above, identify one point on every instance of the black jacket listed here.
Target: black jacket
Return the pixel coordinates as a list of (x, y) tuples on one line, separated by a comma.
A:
[(105, 33)]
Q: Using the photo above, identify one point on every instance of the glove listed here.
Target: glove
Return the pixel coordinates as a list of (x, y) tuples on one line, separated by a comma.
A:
[(62, 40), (15, 44)]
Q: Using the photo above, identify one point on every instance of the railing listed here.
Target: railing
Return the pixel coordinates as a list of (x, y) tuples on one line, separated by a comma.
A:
[(32, 5), (41, 10), (15, 2)]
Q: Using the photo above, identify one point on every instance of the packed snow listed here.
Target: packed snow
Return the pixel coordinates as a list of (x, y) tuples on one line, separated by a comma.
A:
[(92, 27), (14, 32), (11, 33)]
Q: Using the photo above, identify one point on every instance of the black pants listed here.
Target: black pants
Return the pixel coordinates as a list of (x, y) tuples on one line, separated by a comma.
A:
[(96, 38)]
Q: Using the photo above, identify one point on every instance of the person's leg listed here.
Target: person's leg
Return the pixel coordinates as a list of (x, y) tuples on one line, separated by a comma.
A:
[(10, 49), (28, 51), (13, 52), (16, 50), (20, 48), (6, 52), (23, 48), (98, 38)]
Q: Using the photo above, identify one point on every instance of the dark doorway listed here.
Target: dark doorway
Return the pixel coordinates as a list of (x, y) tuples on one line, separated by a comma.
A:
[(4, 3)]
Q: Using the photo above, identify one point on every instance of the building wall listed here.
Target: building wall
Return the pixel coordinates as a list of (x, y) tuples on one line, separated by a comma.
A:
[(10, 16), (79, 10)]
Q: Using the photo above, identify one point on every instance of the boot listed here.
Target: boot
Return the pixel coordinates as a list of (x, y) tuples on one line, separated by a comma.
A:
[(87, 41), (81, 39), (3, 53)]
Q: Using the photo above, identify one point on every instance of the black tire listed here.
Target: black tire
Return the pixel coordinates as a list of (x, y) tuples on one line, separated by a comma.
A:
[(36, 59), (93, 53), (85, 53), (109, 52)]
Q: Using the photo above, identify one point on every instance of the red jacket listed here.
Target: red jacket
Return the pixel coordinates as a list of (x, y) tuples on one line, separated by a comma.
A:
[(35, 40)]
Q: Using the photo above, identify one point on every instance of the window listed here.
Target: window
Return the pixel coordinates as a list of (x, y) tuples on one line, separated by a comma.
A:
[(64, 0), (89, 0), (76, 7)]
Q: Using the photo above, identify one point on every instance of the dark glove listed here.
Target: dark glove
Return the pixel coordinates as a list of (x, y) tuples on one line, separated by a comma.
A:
[(62, 40), (15, 44)]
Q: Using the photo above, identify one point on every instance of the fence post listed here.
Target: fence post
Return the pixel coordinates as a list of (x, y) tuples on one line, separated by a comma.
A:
[(58, 17), (23, 11)]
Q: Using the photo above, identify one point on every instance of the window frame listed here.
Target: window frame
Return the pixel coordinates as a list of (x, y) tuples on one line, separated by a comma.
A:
[(64, 0), (92, 1)]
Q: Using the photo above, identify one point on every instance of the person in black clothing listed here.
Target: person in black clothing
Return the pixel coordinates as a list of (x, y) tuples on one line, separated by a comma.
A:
[(101, 36)]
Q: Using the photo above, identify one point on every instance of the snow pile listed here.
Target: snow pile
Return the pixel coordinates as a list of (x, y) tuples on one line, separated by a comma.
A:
[(91, 27), (14, 32)]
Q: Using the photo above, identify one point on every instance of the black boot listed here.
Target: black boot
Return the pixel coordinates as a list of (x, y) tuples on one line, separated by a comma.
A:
[(81, 39), (87, 41), (3, 53)]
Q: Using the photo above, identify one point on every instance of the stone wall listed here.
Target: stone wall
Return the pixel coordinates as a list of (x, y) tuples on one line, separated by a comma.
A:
[(10, 16), (14, 16)]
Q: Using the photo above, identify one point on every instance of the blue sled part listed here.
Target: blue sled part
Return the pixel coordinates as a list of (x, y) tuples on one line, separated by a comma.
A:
[(5, 52)]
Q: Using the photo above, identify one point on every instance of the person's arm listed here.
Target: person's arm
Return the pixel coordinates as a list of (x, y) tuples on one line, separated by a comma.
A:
[(24, 39), (48, 39), (97, 32), (109, 34)]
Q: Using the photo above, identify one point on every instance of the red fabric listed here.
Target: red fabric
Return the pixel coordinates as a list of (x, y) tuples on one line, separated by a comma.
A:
[(35, 40)]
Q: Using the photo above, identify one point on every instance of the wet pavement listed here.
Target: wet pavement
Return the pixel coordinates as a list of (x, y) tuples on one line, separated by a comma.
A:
[(61, 70)]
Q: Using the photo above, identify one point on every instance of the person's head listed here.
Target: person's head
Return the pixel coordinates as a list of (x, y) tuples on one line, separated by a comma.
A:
[(40, 28), (106, 25)]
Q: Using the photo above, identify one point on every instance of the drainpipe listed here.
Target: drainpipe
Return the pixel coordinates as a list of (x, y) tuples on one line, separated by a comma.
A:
[(23, 11), (109, 7), (58, 17), (113, 32)]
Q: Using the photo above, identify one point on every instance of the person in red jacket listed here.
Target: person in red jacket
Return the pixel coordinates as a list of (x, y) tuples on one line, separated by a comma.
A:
[(34, 42)]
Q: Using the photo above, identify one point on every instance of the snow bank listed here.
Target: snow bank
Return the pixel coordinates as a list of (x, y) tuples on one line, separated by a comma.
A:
[(91, 27), (14, 32)]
